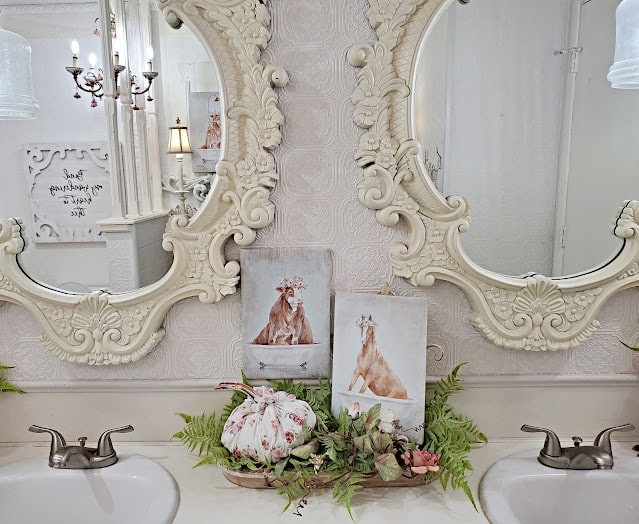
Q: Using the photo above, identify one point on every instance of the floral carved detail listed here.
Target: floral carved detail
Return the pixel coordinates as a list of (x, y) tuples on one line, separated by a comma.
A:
[(97, 332), (11, 241), (539, 311), (632, 271), (627, 224)]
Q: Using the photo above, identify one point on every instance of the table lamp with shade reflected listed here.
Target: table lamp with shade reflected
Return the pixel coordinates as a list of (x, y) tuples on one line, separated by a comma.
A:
[(178, 146)]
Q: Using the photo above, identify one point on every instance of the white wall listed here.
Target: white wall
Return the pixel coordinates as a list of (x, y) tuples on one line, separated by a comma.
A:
[(61, 119)]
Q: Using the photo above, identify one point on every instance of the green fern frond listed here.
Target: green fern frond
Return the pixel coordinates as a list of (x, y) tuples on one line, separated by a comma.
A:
[(202, 434), (451, 435), (8, 387), (294, 486), (345, 489), (5, 385)]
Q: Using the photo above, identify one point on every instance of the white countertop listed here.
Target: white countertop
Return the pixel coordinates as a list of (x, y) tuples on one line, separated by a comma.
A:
[(206, 496)]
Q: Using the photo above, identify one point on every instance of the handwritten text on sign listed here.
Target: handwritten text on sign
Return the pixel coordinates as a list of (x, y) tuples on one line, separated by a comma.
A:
[(74, 193), (69, 191)]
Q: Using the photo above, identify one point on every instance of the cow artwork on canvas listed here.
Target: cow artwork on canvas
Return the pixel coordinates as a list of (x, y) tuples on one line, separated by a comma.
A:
[(373, 367), (287, 322)]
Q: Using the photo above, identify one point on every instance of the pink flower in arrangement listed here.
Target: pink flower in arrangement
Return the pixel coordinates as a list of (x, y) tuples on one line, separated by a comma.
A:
[(275, 425), (265, 445), (237, 453), (278, 453), (289, 436), (421, 461)]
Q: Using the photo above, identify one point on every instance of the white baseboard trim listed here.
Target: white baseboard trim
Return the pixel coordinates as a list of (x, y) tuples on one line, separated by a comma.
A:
[(199, 385), (499, 405)]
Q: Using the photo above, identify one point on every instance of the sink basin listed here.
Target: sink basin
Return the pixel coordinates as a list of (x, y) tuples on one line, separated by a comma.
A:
[(135, 489), (519, 490)]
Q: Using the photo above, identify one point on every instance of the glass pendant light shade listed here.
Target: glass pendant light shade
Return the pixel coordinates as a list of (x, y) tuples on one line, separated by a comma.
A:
[(16, 88), (624, 73)]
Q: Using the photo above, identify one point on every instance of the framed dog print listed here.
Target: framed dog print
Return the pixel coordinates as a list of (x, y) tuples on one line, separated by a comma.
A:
[(286, 312), (379, 356)]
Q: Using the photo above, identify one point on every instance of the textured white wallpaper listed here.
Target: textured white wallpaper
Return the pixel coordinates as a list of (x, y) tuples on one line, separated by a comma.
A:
[(317, 205)]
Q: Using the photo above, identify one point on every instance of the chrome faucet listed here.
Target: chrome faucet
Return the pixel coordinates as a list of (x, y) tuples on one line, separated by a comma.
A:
[(597, 456), (62, 456)]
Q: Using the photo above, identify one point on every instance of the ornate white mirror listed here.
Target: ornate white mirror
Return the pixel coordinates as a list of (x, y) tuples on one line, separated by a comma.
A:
[(435, 130), (221, 78)]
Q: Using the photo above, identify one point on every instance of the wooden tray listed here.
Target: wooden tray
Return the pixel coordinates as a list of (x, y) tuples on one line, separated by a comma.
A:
[(264, 480)]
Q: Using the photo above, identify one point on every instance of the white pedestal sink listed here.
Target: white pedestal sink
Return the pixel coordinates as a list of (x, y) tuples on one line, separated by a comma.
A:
[(134, 490), (519, 490)]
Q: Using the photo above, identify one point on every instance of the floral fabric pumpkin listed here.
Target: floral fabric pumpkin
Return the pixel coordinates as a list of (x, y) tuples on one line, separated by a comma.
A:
[(267, 425)]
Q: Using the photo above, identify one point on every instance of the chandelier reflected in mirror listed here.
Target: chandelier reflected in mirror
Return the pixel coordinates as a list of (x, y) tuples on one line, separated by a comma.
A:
[(93, 81)]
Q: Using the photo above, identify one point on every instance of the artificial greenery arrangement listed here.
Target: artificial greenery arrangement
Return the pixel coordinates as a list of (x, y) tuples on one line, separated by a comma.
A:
[(5, 385), (344, 452)]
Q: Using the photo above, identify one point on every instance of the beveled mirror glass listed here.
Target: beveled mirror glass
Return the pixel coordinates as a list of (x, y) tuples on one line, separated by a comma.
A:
[(533, 311), (112, 328)]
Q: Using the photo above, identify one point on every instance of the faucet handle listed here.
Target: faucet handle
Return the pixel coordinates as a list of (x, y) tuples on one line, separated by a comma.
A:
[(603, 438), (552, 446), (105, 446), (57, 440)]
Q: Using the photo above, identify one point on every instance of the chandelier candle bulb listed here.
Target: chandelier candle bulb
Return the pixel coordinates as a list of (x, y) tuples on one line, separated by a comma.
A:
[(116, 58), (75, 49), (149, 58)]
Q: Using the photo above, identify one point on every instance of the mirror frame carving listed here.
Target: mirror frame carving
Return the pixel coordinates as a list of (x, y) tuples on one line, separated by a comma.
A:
[(531, 312), (101, 328)]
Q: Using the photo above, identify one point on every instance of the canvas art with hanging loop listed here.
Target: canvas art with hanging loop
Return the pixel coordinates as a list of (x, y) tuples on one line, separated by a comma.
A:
[(286, 312), (379, 357)]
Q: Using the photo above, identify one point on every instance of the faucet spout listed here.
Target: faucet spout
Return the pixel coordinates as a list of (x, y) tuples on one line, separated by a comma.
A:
[(72, 457)]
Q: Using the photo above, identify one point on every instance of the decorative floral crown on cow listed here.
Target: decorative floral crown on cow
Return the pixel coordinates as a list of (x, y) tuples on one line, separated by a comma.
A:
[(294, 282)]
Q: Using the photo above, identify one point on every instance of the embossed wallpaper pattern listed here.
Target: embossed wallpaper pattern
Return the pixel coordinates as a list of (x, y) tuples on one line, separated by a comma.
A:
[(317, 205)]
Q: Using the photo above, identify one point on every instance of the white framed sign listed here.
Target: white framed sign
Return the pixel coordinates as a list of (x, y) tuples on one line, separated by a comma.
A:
[(69, 189)]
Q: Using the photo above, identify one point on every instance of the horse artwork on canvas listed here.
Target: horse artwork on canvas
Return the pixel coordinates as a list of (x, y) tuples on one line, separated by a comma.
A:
[(373, 367)]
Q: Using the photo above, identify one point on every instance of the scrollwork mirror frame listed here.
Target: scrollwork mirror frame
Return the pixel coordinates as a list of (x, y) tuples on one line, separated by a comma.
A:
[(532, 312), (102, 328)]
